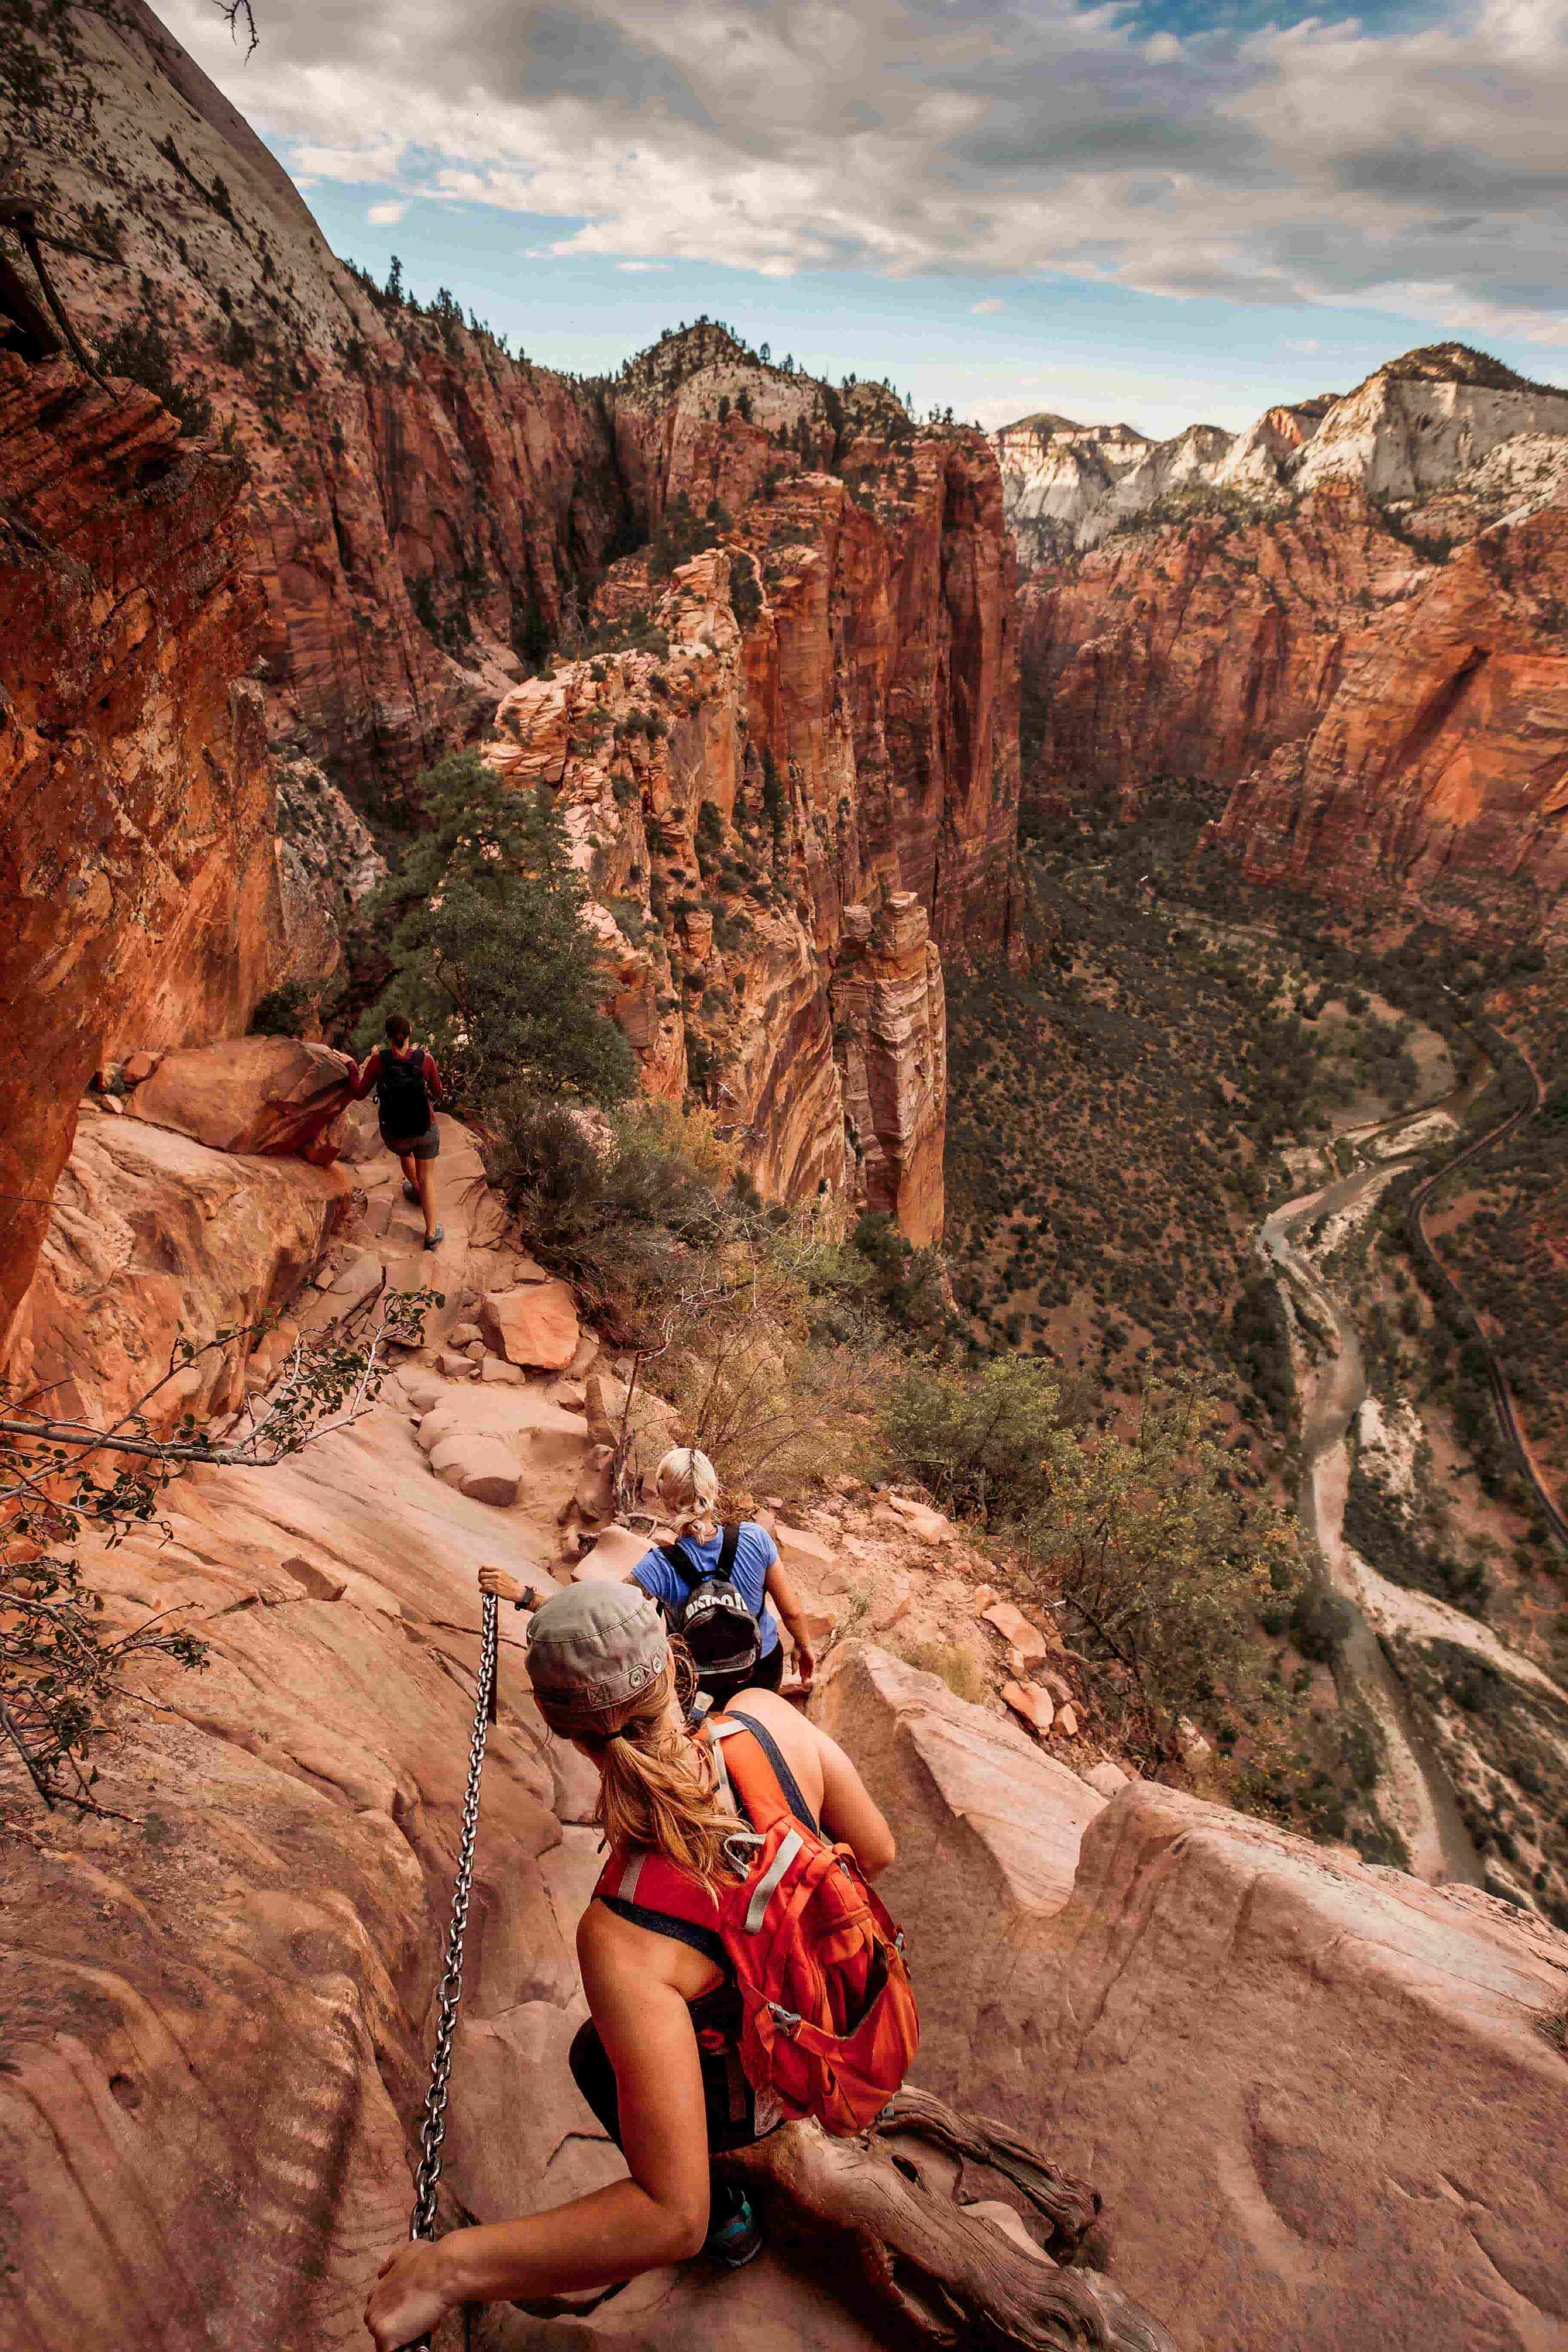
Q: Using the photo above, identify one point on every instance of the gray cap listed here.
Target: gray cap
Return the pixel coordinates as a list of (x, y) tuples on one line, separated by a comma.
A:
[(594, 1647)]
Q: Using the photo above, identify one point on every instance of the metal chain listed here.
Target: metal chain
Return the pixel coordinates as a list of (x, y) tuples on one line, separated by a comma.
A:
[(433, 2129)]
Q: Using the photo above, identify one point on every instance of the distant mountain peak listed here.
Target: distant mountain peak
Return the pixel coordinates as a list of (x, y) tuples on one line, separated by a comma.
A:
[(1043, 421), (1456, 363)]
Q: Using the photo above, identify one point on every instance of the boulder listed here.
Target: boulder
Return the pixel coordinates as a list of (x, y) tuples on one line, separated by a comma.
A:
[(930, 1526), (805, 1554), (274, 1096), (496, 1371), (1315, 2096), (454, 1367), (358, 1135), (1109, 1778), (613, 1558), (137, 1066), (442, 1420), (424, 1395), (362, 1272), (1016, 1630), (1195, 1749), (479, 1466), (1066, 1720), (535, 1326), (595, 1494), (1031, 1704), (464, 1335)]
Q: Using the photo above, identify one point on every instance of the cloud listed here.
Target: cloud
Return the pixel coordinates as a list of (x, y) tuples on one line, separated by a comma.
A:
[(1418, 165), (989, 308), (388, 214)]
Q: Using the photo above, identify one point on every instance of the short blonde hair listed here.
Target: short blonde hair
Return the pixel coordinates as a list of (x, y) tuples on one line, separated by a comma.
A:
[(688, 1485)]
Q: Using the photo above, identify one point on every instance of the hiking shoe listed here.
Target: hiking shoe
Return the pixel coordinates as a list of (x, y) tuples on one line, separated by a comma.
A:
[(736, 2240), (434, 1241), (410, 1192)]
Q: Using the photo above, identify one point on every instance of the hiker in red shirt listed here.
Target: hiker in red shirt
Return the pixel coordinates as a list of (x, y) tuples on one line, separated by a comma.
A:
[(407, 1085)]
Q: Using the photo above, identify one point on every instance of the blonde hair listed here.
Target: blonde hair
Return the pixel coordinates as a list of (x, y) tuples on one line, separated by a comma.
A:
[(688, 1485), (659, 1787)]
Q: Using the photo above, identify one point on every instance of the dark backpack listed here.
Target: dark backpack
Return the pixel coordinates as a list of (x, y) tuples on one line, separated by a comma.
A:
[(400, 1091), (714, 1622)]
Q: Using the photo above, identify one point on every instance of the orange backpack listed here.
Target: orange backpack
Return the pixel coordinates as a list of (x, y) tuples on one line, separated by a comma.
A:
[(829, 2026)]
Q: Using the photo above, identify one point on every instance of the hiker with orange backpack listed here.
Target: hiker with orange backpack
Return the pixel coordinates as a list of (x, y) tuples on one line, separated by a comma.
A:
[(739, 1970)]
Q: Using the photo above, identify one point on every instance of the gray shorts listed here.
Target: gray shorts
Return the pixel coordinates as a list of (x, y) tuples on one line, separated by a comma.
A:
[(423, 1147)]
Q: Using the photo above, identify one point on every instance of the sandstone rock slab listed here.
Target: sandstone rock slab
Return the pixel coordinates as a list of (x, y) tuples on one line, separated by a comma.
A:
[(534, 1325), (479, 1466), (1032, 1705), (613, 1558), (274, 1096), (1314, 2095)]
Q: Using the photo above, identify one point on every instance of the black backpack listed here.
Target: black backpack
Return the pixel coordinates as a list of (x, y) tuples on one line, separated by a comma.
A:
[(401, 1093), (715, 1623)]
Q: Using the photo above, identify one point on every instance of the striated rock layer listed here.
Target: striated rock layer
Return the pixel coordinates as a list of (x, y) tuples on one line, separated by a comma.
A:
[(790, 776), (1437, 775), (1353, 613), (137, 849)]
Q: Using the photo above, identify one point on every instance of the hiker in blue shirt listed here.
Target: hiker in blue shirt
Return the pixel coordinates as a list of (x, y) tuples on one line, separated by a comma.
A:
[(688, 1488)]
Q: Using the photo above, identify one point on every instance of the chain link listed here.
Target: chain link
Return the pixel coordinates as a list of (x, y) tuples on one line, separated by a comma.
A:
[(433, 2129)]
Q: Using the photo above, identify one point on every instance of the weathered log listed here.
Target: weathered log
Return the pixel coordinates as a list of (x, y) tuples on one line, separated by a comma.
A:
[(1070, 2208), (949, 2271)]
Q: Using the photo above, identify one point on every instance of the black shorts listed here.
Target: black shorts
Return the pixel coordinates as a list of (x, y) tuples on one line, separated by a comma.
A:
[(767, 1674)]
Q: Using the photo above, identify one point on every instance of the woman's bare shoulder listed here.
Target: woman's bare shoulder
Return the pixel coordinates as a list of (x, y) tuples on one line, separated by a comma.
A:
[(794, 1732)]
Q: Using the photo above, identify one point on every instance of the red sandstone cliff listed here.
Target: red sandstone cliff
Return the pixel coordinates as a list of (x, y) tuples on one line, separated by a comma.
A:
[(791, 804), (1197, 649), (1359, 628), (421, 504), (137, 845), (424, 512), (1438, 773)]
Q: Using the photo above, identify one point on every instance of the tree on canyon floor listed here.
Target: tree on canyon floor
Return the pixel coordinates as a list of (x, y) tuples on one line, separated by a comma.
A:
[(481, 925), (65, 1480)]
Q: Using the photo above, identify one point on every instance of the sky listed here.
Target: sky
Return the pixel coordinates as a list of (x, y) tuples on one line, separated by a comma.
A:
[(1165, 211)]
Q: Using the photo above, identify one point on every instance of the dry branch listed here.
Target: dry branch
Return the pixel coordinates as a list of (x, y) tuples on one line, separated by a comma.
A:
[(949, 2272)]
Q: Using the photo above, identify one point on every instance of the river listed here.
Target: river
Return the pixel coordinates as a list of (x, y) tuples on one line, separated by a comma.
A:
[(1331, 1387)]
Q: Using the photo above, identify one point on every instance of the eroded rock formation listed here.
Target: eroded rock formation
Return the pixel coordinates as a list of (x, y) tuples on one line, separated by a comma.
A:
[(1351, 613), (790, 776), (1437, 774), (421, 504), (137, 847)]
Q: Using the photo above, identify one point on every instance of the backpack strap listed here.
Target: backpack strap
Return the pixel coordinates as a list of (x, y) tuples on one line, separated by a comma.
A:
[(678, 1558), (649, 1891), (750, 1772), (785, 1777)]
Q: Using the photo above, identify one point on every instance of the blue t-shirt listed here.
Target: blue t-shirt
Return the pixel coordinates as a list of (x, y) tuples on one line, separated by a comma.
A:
[(754, 1554)]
